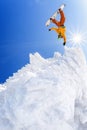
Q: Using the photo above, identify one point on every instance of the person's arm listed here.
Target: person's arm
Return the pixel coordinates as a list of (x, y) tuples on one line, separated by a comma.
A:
[(64, 37), (55, 29)]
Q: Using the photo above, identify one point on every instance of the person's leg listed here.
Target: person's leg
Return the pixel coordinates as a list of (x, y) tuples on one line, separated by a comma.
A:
[(55, 21), (62, 17)]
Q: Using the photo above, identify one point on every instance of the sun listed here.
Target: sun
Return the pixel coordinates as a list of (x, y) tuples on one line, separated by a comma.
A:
[(77, 38)]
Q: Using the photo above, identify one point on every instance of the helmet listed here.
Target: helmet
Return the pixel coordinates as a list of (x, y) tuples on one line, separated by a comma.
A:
[(59, 36)]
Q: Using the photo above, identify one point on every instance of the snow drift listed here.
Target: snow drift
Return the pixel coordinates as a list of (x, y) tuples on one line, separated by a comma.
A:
[(47, 94)]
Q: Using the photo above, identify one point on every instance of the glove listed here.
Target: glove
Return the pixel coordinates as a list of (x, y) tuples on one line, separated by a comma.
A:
[(64, 43), (49, 29)]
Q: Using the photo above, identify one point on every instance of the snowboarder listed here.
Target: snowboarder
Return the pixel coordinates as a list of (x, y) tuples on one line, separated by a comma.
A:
[(61, 28)]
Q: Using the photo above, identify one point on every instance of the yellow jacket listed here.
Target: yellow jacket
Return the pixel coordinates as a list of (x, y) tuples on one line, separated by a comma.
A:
[(60, 31)]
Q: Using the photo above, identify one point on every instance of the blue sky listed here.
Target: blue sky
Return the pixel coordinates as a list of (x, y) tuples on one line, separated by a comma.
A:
[(23, 31)]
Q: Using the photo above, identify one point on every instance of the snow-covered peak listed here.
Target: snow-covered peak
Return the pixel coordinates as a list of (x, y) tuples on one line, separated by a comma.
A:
[(47, 94)]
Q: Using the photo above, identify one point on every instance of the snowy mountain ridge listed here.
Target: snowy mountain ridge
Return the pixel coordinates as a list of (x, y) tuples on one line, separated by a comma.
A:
[(46, 94)]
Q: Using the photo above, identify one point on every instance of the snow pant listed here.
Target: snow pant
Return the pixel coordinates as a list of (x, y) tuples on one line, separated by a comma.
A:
[(62, 19)]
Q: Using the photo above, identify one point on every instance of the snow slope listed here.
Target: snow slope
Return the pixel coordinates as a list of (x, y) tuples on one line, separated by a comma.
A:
[(47, 94)]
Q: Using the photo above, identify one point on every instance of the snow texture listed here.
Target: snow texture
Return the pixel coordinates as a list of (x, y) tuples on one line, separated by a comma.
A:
[(47, 94)]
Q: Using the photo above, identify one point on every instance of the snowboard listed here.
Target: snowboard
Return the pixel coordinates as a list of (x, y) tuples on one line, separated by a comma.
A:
[(55, 14)]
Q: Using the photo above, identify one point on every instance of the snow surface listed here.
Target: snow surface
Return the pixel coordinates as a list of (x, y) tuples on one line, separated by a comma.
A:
[(47, 94)]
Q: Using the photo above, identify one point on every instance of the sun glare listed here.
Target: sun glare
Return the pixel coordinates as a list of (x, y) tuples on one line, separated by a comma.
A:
[(77, 38)]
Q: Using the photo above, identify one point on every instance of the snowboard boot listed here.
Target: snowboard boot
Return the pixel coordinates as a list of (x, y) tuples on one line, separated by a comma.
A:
[(51, 18)]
